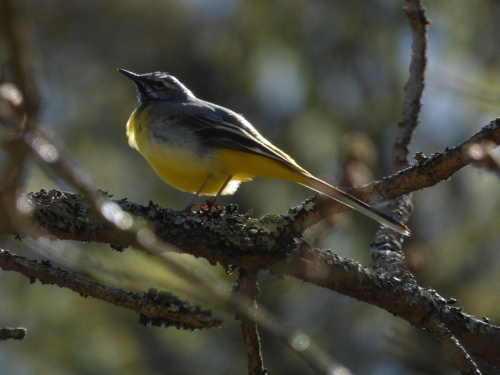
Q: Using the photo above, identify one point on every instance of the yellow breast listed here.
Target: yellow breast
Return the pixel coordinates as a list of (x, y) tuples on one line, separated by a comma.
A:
[(179, 165)]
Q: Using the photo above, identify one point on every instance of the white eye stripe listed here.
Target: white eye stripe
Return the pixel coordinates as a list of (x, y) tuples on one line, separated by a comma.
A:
[(171, 85)]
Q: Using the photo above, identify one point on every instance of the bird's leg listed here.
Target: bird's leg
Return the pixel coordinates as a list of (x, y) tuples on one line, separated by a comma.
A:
[(191, 204), (221, 190)]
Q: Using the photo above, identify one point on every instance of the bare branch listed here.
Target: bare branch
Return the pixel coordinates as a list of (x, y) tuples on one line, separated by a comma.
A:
[(10, 20), (25, 139), (159, 309), (426, 173), (249, 290), (387, 251), (464, 362), (199, 233), (409, 301), (223, 236), (414, 87)]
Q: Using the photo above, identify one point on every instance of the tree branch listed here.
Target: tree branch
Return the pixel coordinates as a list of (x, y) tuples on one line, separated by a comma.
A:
[(464, 362), (427, 172), (387, 251), (414, 87), (409, 301), (249, 290), (158, 309), (226, 237)]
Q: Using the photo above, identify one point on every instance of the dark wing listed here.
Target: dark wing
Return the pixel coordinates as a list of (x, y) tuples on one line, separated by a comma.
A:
[(229, 132)]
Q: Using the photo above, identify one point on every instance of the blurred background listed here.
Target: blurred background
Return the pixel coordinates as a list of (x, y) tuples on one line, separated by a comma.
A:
[(322, 80)]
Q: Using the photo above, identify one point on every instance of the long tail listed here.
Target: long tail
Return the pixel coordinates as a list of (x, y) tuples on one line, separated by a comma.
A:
[(322, 187)]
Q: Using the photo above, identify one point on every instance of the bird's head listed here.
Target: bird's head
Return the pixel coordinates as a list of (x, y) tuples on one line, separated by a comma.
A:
[(158, 86)]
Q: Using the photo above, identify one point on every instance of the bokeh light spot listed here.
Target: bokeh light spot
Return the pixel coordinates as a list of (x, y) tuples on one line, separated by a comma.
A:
[(116, 215), (301, 342), (24, 205)]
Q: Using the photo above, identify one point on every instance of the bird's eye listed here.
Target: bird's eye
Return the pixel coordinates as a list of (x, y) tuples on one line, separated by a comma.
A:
[(159, 84)]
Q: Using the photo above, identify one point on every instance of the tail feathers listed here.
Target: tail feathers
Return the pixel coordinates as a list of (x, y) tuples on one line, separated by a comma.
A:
[(341, 196)]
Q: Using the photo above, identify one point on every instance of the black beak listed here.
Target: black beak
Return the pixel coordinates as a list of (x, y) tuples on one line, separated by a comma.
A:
[(139, 81), (134, 77)]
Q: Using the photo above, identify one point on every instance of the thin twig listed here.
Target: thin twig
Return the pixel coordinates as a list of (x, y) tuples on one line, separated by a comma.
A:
[(413, 103), (463, 360), (11, 21), (414, 87), (318, 359), (248, 289)]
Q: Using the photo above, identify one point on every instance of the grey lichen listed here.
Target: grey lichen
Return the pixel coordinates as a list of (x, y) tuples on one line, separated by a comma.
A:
[(239, 230), (293, 212)]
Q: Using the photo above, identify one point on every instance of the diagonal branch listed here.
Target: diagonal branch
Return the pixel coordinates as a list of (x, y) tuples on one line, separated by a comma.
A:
[(464, 362), (427, 172), (408, 301), (159, 309)]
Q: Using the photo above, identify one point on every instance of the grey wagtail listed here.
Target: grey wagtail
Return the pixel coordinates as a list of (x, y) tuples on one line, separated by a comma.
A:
[(203, 148)]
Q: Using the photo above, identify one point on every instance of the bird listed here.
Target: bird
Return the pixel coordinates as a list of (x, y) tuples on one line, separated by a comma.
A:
[(206, 149)]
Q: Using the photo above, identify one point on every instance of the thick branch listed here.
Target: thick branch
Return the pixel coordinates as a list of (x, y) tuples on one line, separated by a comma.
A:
[(225, 237), (160, 309)]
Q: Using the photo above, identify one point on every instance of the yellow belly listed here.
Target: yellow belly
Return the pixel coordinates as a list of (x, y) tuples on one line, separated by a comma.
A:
[(185, 170)]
